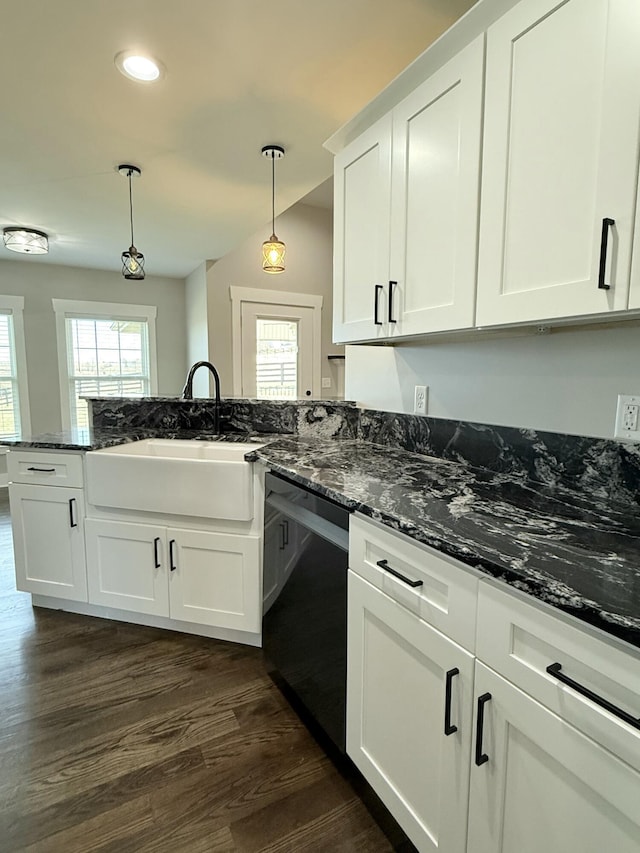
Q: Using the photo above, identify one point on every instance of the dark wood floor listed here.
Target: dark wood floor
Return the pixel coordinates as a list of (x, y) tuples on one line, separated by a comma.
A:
[(121, 738)]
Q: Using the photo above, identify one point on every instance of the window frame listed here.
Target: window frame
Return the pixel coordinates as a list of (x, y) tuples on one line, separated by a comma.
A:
[(80, 310), (14, 306)]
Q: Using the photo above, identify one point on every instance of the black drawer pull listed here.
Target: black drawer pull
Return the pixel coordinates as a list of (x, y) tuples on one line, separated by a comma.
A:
[(449, 729), (384, 565), (72, 516), (42, 470), (604, 239), (156, 560), (377, 290), (481, 757), (555, 669), (392, 284), (172, 562)]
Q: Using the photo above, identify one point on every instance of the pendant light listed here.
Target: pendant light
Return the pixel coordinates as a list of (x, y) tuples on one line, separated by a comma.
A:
[(273, 249), (133, 260), (27, 241)]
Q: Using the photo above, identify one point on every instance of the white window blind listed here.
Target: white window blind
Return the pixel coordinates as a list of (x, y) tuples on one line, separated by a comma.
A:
[(106, 358), (10, 426)]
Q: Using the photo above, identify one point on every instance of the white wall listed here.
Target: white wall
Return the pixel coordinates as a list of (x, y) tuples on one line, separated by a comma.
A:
[(308, 234), (198, 327), (40, 283), (566, 381)]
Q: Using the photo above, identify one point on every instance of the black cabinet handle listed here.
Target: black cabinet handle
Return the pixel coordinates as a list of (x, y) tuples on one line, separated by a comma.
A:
[(72, 515), (449, 729), (282, 542), (172, 562), (156, 560), (42, 470), (285, 524), (377, 290), (384, 565), (555, 669), (606, 224), (481, 757), (392, 284)]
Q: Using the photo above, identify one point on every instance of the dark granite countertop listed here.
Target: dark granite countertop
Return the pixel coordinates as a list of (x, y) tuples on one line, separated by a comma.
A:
[(576, 551), (97, 439)]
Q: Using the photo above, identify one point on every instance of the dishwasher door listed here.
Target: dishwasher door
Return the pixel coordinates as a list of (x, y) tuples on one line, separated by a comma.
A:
[(305, 628)]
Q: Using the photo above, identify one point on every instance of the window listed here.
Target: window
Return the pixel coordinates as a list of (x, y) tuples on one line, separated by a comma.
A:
[(14, 410), (105, 351), (276, 359)]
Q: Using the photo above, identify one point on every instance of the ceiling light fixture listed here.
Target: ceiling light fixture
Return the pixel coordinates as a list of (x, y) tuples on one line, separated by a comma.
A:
[(273, 249), (135, 66), (27, 241), (133, 260)]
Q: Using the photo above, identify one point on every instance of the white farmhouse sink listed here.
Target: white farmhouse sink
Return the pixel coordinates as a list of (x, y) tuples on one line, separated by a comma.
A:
[(207, 479)]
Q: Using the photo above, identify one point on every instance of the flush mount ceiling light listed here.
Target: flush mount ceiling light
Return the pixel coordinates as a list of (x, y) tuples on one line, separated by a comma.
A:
[(273, 249), (27, 241), (138, 67), (133, 260)]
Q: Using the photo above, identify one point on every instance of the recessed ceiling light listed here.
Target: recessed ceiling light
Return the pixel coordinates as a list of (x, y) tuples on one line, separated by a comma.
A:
[(138, 67)]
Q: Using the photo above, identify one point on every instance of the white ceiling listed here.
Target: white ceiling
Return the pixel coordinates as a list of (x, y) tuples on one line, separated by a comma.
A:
[(240, 74)]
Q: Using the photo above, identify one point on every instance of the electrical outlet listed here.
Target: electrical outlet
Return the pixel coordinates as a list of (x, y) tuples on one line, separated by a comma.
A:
[(420, 400), (628, 418), (326, 382)]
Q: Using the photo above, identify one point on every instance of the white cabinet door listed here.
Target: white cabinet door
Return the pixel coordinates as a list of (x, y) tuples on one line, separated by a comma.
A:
[(437, 134), (397, 669), (48, 540), (562, 109), (127, 566), (545, 786), (214, 579), (362, 210)]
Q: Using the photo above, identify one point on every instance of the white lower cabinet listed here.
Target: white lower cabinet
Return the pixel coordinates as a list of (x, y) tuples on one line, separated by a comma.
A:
[(194, 576), (409, 692), (214, 579), (48, 540), (544, 785), (546, 756), (127, 566)]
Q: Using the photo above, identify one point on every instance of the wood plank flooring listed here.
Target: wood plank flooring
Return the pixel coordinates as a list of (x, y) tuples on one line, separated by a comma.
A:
[(128, 739)]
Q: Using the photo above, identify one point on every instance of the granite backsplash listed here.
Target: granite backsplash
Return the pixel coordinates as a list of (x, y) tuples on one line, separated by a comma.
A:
[(605, 468)]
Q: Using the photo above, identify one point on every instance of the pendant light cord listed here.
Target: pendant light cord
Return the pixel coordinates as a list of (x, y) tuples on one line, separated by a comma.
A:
[(273, 192), (130, 207)]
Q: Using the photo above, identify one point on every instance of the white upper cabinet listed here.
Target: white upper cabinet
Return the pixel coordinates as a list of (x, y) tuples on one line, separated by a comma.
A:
[(437, 133), (406, 211), (560, 159), (362, 192)]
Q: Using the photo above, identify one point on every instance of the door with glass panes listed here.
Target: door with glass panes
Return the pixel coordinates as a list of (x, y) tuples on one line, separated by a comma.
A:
[(277, 351)]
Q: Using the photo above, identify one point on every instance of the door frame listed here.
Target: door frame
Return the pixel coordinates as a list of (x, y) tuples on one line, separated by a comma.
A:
[(240, 295)]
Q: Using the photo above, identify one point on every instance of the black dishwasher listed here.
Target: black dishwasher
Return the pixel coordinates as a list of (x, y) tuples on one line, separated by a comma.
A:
[(305, 574)]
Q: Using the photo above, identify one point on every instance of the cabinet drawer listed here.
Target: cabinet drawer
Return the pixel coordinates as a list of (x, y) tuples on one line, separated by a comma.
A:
[(447, 595), (520, 640), (44, 468)]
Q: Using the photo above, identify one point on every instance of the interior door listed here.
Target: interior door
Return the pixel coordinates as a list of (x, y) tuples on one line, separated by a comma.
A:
[(277, 351)]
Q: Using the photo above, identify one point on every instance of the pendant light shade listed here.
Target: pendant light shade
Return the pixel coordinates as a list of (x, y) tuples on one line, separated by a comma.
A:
[(27, 241), (273, 250), (132, 260)]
